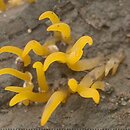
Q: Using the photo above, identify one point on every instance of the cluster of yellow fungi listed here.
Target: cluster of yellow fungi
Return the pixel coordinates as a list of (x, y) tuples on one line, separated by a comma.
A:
[(87, 88), (5, 4)]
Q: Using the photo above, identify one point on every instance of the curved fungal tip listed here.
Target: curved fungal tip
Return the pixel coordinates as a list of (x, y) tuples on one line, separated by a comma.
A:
[(50, 15), (89, 40), (61, 27), (81, 42), (37, 64), (72, 83), (56, 56)]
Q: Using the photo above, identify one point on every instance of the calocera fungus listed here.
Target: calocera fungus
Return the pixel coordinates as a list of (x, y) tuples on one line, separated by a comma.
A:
[(86, 64), (40, 50), (17, 51), (26, 94), (51, 16), (54, 101), (86, 88), (23, 76), (54, 19), (114, 62), (36, 47), (64, 29), (70, 57), (85, 91), (41, 76)]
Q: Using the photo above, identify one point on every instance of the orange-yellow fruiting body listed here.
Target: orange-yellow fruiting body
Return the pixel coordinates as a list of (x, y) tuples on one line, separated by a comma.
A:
[(89, 93), (84, 91), (17, 89), (41, 76), (98, 85), (56, 98), (71, 57), (54, 19), (56, 56), (51, 16), (76, 52), (72, 83), (81, 42), (24, 76), (26, 94), (64, 29), (36, 47), (86, 64), (17, 51)]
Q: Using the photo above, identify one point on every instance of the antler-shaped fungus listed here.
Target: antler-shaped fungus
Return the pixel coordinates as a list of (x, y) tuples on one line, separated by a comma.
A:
[(24, 76), (114, 62), (85, 91), (36, 47), (86, 64), (64, 29), (71, 57), (41, 76), (54, 101), (25, 94), (54, 19), (17, 51)]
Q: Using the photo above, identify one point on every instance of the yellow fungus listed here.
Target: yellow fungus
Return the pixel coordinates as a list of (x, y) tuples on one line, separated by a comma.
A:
[(16, 99), (41, 76), (26, 94), (114, 62), (26, 102), (70, 57), (17, 51), (36, 47), (51, 16), (84, 91), (86, 88), (98, 85), (72, 83), (54, 19), (54, 101), (86, 81), (81, 42), (98, 72), (56, 56), (24, 76), (92, 76), (28, 86), (89, 93), (2, 5), (34, 97), (17, 89), (64, 29), (76, 52), (86, 64)]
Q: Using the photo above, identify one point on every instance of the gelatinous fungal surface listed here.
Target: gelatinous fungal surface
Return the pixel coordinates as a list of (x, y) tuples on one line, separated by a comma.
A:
[(97, 68)]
